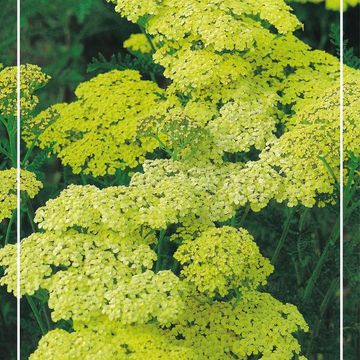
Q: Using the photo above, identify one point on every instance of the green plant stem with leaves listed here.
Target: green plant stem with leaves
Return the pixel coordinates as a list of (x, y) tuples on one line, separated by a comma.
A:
[(282, 239)]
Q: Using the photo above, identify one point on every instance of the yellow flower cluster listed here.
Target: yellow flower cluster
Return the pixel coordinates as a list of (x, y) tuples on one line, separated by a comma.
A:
[(308, 152), (95, 259), (8, 200), (243, 125), (138, 43), (221, 260), (161, 201), (219, 330), (351, 112), (182, 131), (254, 184), (77, 269), (225, 78), (146, 297), (137, 9), (76, 198), (32, 78), (102, 339), (203, 52), (97, 134), (257, 325), (232, 95), (168, 192), (193, 71), (297, 151), (174, 20)]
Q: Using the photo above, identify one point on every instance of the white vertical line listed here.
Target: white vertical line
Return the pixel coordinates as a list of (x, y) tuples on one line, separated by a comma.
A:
[(341, 180), (18, 62)]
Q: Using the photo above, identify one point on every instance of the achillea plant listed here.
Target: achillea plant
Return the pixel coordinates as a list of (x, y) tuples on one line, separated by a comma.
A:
[(98, 132), (248, 114), (32, 79), (8, 200)]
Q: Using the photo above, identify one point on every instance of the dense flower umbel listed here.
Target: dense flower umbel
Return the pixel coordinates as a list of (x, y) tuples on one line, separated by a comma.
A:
[(138, 43), (218, 330), (8, 200), (351, 112), (95, 259), (229, 103), (255, 324), (145, 297), (102, 339), (98, 133), (32, 78), (220, 260)]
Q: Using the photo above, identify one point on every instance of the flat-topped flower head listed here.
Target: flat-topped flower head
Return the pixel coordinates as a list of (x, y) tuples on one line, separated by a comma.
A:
[(97, 134), (8, 198), (102, 339), (138, 43), (221, 260), (257, 325), (31, 79)]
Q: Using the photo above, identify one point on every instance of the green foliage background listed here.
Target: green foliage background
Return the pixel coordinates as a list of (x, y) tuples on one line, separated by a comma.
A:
[(64, 37)]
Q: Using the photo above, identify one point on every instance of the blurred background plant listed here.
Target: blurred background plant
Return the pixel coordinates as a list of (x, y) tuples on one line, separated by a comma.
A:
[(73, 40), (63, 36)]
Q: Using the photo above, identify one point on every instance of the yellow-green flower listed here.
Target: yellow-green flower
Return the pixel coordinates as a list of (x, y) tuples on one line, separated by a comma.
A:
[(8, 198)]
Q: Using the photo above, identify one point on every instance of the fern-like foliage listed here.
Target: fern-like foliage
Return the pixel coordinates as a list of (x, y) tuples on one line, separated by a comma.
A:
[(144, 64), (350, 59)]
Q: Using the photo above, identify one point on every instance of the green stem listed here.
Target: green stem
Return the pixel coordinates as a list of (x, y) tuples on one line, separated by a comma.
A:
[(330, 170), (349, 211), (283, 237), (159, 250), (175, 267), (36, 314), (334, 286), (47, 317), (238, 297), (163, 147), (29, 212), (4, 152), (9, 226), (233, 221), (152, 76), (324, 256), (303, 219), (121, 178), (11, 130), (350, 190), (4, 122), (148, 38), (297, 271), (31, 221), (244, 215), (83, 179), (29, 150), (65, 176)]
